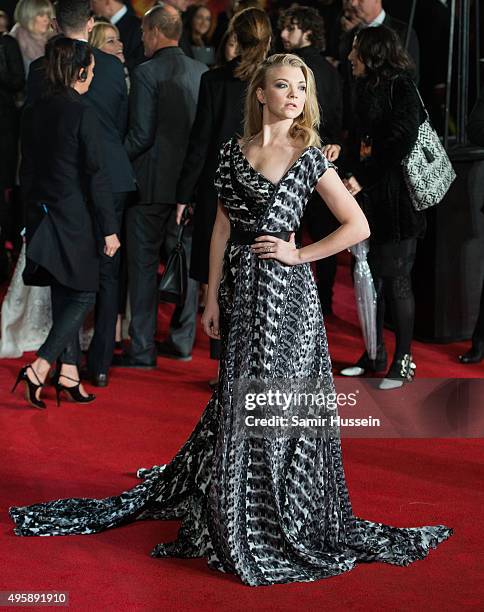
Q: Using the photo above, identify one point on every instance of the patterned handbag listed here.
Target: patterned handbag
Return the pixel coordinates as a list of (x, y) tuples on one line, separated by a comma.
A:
[(427, 169)]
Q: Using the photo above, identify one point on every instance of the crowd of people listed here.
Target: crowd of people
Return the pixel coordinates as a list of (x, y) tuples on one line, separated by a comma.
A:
[(122, 149), (269, 505)]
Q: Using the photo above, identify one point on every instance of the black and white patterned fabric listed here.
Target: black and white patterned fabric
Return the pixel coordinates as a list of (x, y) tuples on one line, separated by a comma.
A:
[(270, 510)]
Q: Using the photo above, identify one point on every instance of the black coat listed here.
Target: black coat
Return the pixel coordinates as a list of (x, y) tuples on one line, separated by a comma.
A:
[(129, 27), (163, 102), (12, 80), (65, 185), (108, 97), (329, 91), (388, 117), (220, 115)]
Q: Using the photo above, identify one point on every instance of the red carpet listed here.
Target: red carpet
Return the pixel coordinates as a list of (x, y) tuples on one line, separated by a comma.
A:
[(143, 417)]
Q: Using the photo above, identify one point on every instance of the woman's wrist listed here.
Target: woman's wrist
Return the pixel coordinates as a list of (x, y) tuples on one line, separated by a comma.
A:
[(212, 294)]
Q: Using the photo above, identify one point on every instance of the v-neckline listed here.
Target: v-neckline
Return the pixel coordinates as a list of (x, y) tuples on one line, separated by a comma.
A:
[(275, 185)]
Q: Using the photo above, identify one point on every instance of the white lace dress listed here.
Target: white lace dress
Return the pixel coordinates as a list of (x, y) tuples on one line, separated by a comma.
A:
[(25, 316)]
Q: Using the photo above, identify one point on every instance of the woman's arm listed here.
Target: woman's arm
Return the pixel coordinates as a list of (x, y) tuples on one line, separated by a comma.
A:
[(353, 228), (220, 236)]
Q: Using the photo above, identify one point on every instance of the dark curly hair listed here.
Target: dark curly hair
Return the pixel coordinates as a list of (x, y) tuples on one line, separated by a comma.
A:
[(307, 19), (382, 53)]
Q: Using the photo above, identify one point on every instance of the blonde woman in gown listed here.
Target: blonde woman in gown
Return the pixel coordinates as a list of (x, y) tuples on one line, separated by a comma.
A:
[(270, 509)]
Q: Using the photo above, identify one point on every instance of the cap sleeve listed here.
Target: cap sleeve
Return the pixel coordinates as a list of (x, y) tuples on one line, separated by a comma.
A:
[(319, 165)]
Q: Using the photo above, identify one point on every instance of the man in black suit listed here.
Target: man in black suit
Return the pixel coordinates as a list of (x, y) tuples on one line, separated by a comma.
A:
[(108, 97), (302, 33), (129, 27), (163, 103)]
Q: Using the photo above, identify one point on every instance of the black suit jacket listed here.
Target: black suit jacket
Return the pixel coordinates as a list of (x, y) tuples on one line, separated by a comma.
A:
[(12, 80), (220, 115), (129, 27), (108, 97), (163, 102), (329, 91), (66, 187)]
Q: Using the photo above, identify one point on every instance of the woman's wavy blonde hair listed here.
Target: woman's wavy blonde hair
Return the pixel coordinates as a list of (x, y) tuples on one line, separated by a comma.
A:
[(306, 125)]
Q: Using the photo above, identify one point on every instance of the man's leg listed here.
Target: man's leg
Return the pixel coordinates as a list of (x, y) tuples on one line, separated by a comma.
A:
[(101, 349), (182, 331), (145, 229)]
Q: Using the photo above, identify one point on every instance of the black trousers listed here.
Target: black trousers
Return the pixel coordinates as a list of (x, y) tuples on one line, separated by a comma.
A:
[(319, 222), (478, 335), (149, 227), (69, 309), (391, 266), (101, 349)]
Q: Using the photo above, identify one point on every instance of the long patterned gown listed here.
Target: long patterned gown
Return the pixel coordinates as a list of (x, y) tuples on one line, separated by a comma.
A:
[(268, 509)]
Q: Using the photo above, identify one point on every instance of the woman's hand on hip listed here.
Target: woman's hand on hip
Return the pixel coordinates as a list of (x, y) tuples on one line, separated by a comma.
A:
[(270, 247), (211, 319), (111, 245)]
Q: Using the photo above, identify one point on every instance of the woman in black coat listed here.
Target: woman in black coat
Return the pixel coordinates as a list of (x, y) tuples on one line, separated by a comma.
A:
[(388, 113), (220, 113), (64, 186)]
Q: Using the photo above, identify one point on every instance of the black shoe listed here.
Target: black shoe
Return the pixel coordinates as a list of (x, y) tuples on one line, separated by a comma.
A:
[(74, 392), (165, 349), (401, 371), (30, 387), (365, 364), (474, 355), (126, 361), (99, 380)]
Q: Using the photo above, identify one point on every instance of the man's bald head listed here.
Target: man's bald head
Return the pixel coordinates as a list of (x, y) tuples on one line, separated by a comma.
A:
[(166, 19)]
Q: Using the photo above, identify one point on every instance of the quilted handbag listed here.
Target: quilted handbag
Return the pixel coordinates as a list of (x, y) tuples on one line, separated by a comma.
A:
[(427, 169)]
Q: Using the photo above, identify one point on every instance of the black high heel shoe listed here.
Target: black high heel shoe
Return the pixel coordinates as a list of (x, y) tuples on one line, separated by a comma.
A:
[(31, 388), (73, 392)]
